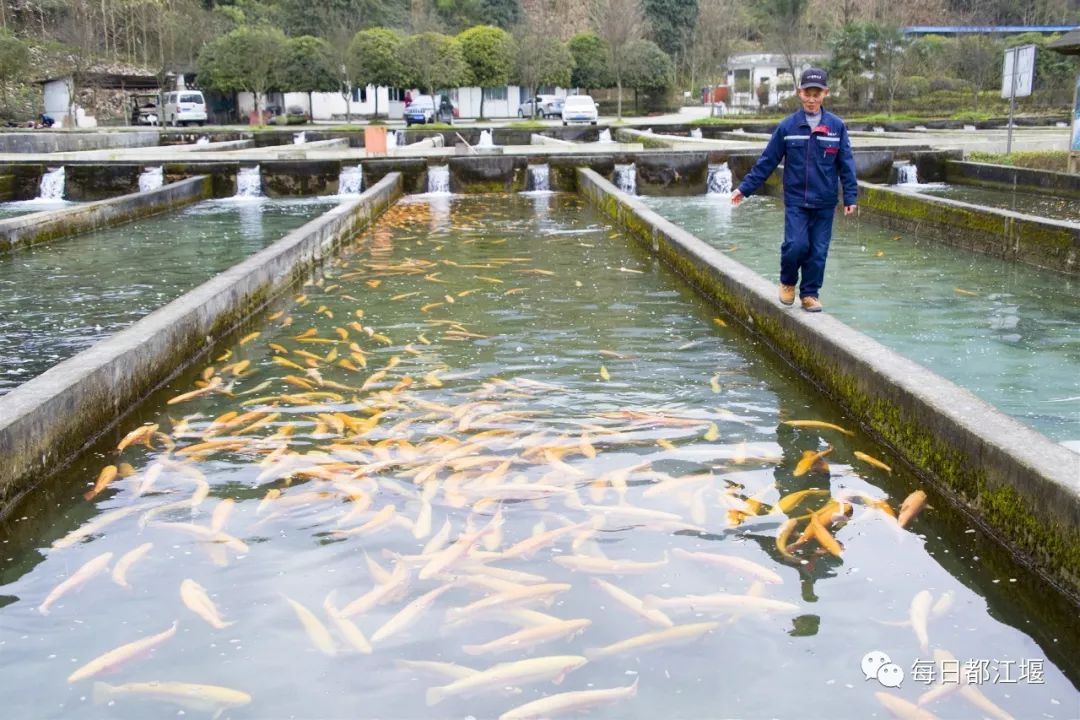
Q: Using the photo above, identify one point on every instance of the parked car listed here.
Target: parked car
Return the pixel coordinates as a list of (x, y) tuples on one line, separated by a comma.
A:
[(579, 109), (184, 108), (546, 106), (422, 110)]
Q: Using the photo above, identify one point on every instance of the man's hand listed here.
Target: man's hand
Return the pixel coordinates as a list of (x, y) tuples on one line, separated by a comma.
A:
[(850, 209), (736, 198)]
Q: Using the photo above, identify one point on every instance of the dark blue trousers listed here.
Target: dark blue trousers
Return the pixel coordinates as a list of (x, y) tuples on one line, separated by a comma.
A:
[(807, 232)]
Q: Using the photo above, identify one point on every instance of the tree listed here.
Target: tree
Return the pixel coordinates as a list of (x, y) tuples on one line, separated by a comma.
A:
[(542, 60), (891, 60), (590, 61), (327, 17), (781, 22), (618, 23), (431, 61), (14, 61), (246, 59), (374, 58), (672, 24), (852, 55), (490, 54), (720, 23), (978, 60), (310, 67), (648, 69), (461, 14)]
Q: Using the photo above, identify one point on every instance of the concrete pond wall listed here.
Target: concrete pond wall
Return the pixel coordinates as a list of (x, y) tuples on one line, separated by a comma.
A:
[(26, 230), (1006, 177), (1045, 243), (1024, 488), (47, 421), (50, 141)]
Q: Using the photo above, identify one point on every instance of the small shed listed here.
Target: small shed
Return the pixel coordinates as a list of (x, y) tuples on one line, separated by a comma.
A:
[(1069, 44), (102, 94)]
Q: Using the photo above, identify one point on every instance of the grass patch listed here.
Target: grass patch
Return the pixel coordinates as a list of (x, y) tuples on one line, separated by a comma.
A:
[(972, 116), (1053, 160), (882, 118), (528, 125)]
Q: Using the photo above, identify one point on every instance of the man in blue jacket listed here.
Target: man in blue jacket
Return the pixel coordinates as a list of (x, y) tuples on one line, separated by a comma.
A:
[(814, 145)]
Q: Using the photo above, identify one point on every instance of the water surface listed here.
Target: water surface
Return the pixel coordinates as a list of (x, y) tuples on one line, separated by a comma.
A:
[(485, 370), (58, 298), (1008, 332), (1042, 204)]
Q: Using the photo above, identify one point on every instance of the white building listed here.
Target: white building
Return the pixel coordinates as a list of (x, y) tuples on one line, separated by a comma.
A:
[(500, 102), (748, 70)]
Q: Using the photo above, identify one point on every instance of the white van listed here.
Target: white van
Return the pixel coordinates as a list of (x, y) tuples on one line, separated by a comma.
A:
[(184, 107)]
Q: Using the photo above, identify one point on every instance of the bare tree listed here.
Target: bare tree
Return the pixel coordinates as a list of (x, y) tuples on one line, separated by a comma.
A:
[(618, 23), (720, 24)]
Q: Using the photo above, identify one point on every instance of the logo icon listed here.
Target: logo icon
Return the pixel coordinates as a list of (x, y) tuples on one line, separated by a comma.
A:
[(876, 665)]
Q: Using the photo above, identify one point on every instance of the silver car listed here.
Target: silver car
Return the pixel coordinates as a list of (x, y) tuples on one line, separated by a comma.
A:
[(546, 106)]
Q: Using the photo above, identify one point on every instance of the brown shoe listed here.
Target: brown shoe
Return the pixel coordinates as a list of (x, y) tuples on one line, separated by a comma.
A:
[(787, 294), (811, 304)]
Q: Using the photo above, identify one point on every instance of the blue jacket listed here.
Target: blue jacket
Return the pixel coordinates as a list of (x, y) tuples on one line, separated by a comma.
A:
[(813, 161)]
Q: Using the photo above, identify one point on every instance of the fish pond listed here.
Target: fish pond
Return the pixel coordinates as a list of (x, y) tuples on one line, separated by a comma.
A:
[(493, 460), (60, 297), (17, 208), (1007, 332)]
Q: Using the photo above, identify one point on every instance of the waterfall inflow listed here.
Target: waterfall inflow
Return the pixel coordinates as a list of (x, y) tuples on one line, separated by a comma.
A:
[(299, 138), (151, 179), (605, 136), (539, 178), (351, 180), (391, 140), (906, 173), (204, 140), (626, 178), (486, 139), (719, 181), (438, 179), (51, 186), (249, 182), (695, 133)]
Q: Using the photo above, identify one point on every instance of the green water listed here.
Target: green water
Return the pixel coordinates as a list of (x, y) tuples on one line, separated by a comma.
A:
[(59, 298), (1045, 205), (1005, 331), (568, 381), (25, 207)]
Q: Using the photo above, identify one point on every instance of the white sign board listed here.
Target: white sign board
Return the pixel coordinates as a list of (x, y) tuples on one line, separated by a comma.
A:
[(1019, 71)]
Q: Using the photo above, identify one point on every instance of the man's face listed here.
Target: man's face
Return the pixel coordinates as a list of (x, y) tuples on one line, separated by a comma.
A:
[(811, 98)]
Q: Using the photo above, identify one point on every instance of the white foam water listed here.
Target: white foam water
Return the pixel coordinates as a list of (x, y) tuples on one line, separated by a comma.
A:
[(539, 178), (719, 180), (438, 179), (51, 186), (299, 138), (203, 141), (626, 178), (605, 136), (151, 179), (351, 180), (249, 182), (485, 139), (907, 174), (695, 133)]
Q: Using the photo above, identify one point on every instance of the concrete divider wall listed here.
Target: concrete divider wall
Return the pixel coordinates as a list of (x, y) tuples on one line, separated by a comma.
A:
[(39, 227), (1024, 488), (1006, 177), (47, 421), (1045, 243), (49, 141)]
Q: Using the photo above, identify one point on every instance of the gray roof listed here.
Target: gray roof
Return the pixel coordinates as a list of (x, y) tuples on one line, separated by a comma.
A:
[(1067, 44)]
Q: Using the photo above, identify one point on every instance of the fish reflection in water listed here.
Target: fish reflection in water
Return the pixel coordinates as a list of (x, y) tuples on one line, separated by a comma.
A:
[(426, 472)]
